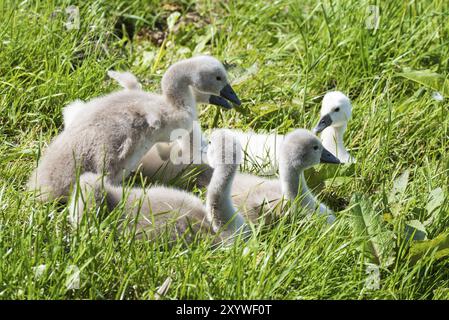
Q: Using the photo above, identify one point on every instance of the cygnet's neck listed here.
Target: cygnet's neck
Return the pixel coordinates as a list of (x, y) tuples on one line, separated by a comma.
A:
[(176, 88), (219, 203), (291, 181), (332, 138), (293, 184)]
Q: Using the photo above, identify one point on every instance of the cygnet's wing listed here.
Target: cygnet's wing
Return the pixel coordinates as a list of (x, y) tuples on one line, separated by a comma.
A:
[(126, 79)]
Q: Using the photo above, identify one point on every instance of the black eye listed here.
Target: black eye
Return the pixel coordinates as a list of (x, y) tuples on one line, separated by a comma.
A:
[(315, 148), (337, 109), (209, 142), (219, 78)]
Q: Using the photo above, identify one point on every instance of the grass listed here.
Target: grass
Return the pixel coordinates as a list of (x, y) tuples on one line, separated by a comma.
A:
[(296, 51)]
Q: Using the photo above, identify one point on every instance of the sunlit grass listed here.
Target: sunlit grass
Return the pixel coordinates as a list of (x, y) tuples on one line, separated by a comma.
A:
[(295, 51)]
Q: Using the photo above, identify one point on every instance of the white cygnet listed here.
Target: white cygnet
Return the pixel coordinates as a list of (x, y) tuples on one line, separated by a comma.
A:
[(335, 113)]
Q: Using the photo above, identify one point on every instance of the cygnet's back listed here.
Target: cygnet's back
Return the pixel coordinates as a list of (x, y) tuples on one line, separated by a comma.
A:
[(106, 137)]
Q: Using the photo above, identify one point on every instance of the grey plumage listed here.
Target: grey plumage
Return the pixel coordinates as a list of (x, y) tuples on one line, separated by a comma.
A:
[(157, 207), (253, 195), (107, 137), (300, 150), (153, 210)]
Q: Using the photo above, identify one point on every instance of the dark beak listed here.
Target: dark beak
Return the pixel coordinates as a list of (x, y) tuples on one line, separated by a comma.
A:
[(219, 101), (327, 157), (324, 122), (228, 93)]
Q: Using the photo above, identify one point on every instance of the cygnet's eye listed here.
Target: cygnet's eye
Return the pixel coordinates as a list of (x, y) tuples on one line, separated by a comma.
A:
[(219, 78), (337, 109), (315, 148), (209, 142)]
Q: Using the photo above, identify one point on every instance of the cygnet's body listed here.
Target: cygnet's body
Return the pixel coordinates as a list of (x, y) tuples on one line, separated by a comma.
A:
[(300, 150), (253, 195), (152, 208), (157, 207), (113, 132)]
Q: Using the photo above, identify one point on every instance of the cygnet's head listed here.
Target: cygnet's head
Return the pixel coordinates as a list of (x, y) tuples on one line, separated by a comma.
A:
[(208, 76), (224, 149), (336, 111), (301, 149)]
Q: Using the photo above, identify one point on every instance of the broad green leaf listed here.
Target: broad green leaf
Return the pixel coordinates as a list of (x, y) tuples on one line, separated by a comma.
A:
[(415, 229), (338, 181), (436, 199), (202, 42), (172, 19), (246, 74), (428, 79), (147, 58), (377, 241), (399, 187), (440, 245), (321, 176)]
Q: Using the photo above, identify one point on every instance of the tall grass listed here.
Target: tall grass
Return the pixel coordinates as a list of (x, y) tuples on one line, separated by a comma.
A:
[(296, 51)]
